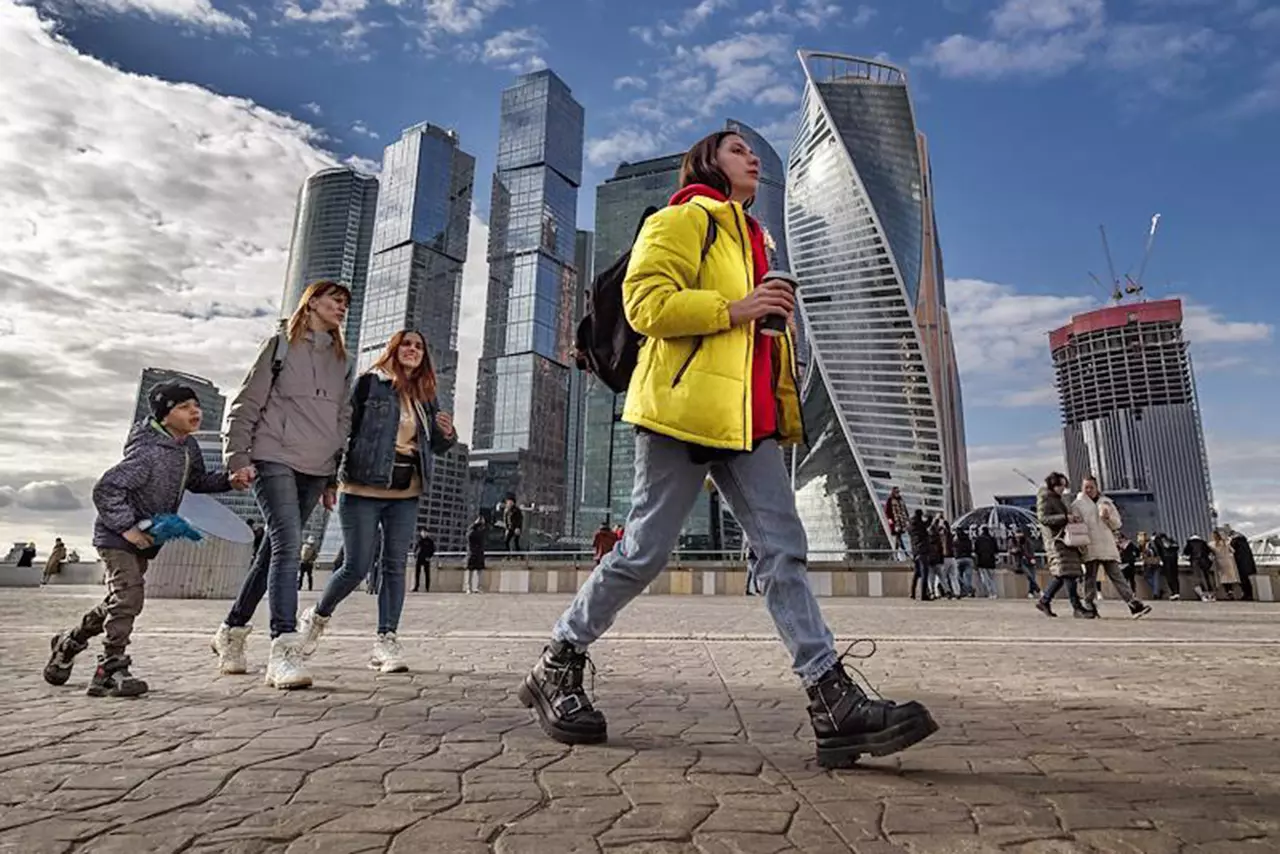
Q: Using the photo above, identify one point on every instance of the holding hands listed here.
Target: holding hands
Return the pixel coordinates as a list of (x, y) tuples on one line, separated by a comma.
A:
[(242, 478)]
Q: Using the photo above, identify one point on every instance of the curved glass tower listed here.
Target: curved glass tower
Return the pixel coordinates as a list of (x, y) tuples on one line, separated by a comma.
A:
[(881, 397)]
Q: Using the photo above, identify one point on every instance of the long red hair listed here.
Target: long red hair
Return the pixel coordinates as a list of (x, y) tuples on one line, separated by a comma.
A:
[(418, 384)]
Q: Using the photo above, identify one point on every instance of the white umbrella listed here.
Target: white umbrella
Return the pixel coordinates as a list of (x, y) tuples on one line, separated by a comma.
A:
[(213, 519)]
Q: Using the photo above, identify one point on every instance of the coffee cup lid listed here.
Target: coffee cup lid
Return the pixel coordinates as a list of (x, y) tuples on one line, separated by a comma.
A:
[(784, 276)]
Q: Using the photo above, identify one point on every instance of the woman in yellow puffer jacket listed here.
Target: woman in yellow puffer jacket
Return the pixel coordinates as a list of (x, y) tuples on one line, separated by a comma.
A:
[(712, 394)]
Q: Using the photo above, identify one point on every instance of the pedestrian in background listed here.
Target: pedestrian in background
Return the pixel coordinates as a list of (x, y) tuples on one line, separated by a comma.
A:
[(423, 551), (287, 426), (307, 562), (1102, 518), (1200, 556), (475, 555), (1065, 561), (603, 542), (1129, 557), (53, 564), (918, 531), (1245, 562), (986, 550), (1224, 560), (964, 562), (27, 557), (1167, 549), (1022, 560), (895, 513), (512, 524)]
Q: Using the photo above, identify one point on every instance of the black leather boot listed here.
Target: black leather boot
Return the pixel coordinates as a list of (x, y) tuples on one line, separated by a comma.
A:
[(555, 691), (847, 723)]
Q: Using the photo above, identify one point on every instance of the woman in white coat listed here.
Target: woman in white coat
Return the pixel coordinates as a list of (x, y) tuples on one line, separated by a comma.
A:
[(1099, 513)]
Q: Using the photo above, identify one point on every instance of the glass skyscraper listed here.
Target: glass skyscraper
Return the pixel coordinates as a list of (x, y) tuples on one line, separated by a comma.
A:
[(213, 404), (415, 282), (881, 400), (332, 235), (520, 441)]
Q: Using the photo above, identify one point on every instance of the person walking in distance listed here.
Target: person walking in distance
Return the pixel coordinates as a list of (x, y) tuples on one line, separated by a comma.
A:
[(1065, 561), (950, 575), (918, 531), (53, 564), (1022, 560), (603, 542), (1129, 557), (964, 562), (985, 551), (396, 428), (1167, 550), (895, 513), (713, 393), (475, 554), (1152, 561), (1245, 562), (512, 524), (1224, 559), (161, 461), (1200, 556), (307, 563), (423, 550), (288, 424), (1100, 515)]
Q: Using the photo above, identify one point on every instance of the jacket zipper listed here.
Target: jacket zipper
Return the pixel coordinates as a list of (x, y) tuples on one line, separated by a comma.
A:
[(751, 341)]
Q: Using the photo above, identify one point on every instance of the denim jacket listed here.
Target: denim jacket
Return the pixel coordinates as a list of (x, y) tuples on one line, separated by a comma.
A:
[(375, 419)]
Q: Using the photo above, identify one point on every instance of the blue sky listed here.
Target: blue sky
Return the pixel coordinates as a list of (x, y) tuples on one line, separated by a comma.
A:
[(1045, 118)]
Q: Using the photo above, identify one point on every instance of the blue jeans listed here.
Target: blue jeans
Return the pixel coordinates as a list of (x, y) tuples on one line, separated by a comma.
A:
[(364, 522), (965, 571), (1030, 572), (987, 577), (286, 498), (667, 484)]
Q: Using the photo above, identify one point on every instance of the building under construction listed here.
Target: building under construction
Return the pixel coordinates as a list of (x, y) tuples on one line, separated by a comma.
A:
[(1129, 410)]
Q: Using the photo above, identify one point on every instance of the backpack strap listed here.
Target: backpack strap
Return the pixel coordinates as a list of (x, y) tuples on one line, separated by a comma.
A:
[(280, 354), (709, 238)]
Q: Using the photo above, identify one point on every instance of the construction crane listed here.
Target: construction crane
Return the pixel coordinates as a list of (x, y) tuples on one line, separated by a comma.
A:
[(1026, 477), (1131, 285)]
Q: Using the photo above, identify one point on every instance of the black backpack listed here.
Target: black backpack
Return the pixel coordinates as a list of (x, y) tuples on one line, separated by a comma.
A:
[(605, 344)]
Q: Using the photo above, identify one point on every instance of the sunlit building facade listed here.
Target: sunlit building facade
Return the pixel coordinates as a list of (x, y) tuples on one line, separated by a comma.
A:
[(881, 396)]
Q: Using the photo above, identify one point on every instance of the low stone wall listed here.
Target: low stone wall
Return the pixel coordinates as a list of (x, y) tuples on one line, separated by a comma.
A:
[(194, 571)]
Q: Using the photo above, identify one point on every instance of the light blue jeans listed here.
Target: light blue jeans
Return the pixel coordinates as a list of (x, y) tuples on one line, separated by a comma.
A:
[(364, 521), (965, 573), (756, 486)]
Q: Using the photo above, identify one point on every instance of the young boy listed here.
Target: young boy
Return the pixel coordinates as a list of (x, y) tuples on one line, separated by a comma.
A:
[(161, 460)]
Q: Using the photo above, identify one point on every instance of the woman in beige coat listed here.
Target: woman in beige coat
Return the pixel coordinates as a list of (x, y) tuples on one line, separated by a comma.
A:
[(1225, 559)]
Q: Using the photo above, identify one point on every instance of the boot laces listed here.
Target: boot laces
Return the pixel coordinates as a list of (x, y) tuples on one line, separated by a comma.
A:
[(859, 656)]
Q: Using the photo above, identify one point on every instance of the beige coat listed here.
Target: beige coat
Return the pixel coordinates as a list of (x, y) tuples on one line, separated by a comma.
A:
[(1103, 520), (1225, 563)]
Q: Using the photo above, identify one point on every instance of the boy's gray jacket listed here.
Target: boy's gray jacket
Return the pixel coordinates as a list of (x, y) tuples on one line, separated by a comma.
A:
[(300, 420), (149, 481)]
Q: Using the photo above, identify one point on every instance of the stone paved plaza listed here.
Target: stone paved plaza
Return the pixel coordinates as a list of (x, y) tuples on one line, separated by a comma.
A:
[(1160, 735)]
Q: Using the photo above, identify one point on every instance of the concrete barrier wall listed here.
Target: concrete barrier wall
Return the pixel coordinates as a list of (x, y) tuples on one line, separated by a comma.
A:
[(215, 571)]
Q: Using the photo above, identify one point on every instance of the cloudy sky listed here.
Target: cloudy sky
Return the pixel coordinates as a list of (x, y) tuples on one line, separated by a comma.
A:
[(151, 151)]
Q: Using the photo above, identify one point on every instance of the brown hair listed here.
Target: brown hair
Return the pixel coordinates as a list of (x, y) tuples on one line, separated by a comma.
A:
[(699, 164), (419, 385), (297, 326)]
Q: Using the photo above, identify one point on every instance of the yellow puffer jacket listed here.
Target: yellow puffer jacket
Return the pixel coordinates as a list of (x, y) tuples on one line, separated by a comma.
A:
[(693, 379)]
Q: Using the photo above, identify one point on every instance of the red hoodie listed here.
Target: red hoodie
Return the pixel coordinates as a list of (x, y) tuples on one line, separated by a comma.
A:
[(764, 398)]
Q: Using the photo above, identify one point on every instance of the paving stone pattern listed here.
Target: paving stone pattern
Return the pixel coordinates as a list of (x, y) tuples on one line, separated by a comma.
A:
[(1057, 736)]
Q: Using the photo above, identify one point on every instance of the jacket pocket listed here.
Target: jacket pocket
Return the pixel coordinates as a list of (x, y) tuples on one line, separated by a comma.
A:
[(697, 345)]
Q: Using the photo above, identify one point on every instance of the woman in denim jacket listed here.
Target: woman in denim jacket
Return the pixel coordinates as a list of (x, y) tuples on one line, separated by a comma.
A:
[(395, 428)]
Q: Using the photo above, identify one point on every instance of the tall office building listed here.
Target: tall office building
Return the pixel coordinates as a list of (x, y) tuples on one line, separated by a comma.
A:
[(332, 236), (520, 438), (584, 247), (415, 282), (1129, 410), (862, 240), (212, 402)]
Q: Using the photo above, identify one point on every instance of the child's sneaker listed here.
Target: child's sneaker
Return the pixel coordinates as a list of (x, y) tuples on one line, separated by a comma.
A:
[(228, 644), (388, 656), (112, 678), (311, 628), (64, 648)]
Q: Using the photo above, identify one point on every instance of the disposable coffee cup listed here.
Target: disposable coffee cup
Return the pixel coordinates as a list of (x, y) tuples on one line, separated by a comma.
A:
[(775, 325)]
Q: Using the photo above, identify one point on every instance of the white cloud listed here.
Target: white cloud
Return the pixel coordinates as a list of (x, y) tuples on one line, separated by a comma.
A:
[(814, 14), (744, 65), (628, 143), (196, 13), (780, 95), (1263, 98), (107, 267), (475, 294), (1267, 19), (1036, 16), (1051, 37), (52, 495), (1203, 325), (516, 50), (313, 108), (324, 11), (860, 18), (992, 467), (360, 128), (460, 17), (629, 82)]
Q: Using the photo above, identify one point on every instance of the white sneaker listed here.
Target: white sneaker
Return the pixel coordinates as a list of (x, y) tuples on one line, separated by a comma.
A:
[(228, 644), (388, 656), (1032, 596), (311, 627), (286, 669), (1175, 598)]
